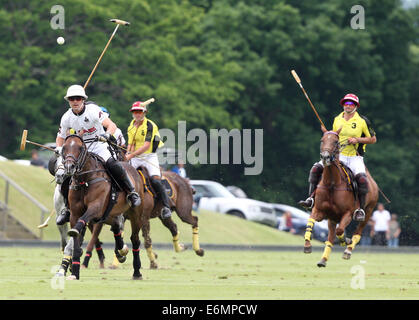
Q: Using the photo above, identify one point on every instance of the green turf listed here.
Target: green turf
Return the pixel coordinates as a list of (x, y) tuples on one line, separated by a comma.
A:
[(213, 227), (26, 274)]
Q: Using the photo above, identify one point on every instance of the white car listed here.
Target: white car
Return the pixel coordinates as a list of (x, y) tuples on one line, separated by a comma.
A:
[(213, 196), (299, 220)]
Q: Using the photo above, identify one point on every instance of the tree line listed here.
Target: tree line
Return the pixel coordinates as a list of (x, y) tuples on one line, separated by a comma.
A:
[(226, 64)]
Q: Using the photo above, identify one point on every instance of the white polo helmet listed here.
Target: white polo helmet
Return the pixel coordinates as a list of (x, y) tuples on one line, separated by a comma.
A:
[(75, 91)]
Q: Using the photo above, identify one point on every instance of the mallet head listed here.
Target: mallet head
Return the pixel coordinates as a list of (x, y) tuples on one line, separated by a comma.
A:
[(23, 141), (118, 21)]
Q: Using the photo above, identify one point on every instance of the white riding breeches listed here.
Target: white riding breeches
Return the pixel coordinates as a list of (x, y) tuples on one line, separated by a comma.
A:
[(149, 161), (101, 149), (355, 163)]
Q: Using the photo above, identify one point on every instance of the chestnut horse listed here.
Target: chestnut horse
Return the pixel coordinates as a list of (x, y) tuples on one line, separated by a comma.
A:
[(89, 196), (335, 200), (181, 201)]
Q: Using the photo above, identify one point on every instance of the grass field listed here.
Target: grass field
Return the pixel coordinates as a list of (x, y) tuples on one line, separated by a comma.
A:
[(219, 275)]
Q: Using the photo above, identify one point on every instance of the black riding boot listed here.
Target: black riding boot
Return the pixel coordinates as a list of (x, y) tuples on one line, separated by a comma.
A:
[(361, 179), (313, 178), (158, 186), (121, 177), (63, 217)]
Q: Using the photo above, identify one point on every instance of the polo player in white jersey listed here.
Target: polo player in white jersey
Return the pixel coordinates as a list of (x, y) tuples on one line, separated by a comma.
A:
[(89, 121)]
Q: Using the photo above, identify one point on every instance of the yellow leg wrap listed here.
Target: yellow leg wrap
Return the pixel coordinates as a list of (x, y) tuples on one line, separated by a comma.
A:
[(115, 261), (341, 239), (195, 239), (309, 229), (150, 254), (327, 250), (355, 239), (176, 245)]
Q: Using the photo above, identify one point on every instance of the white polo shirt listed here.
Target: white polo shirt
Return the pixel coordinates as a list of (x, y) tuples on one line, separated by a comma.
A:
[(381, 219)]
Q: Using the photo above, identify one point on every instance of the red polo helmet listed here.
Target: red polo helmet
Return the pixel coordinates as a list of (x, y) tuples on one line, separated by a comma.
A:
[(137, 106), (350, 97)]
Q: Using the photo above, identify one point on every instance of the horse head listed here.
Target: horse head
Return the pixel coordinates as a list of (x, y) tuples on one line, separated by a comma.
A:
[(329, 146), (74, 154)]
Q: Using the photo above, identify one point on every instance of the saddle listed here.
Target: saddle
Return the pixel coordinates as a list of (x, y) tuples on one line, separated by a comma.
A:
[(148, 186), (350, 179)]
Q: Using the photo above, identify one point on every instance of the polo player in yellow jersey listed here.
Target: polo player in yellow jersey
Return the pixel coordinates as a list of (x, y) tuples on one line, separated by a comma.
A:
[(356, 133), (143, 141)]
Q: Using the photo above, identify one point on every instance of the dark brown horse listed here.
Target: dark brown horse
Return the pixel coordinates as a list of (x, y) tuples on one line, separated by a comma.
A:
[(181, 201), (335, 200), (89, 196)]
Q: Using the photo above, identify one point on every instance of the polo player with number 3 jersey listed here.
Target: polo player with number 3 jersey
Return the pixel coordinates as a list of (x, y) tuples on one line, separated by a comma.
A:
[(89, 121), (356, 132)]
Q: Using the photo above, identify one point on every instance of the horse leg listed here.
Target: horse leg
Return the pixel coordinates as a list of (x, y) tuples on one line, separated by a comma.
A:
[(185, 214), (328, 244), (89, 249), (77, 253), (314, 216), (169, 224), (356, 237), (67, 255), (63, 234), (101, 255), (145, 229), (121, 249), (340, 232), (135, 241)]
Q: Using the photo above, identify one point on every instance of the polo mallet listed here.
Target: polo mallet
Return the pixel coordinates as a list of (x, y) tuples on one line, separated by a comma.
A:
[(294, 74), (45, 224), (118, 23), (24, 141)]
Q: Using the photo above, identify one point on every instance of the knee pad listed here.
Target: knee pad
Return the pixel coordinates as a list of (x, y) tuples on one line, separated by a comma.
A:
[(361, 179), (315, 173)]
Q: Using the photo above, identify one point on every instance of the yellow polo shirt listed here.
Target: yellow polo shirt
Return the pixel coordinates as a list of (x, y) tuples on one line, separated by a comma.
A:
[(147, 131), (356, 127)]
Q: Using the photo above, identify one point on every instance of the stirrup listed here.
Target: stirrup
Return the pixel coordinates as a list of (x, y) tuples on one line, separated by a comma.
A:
[(166, 213), (134, 199), (359, 215), (308, 203)]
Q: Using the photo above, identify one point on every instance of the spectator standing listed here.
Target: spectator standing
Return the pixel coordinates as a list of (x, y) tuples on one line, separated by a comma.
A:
[(394, 232), (180, 169), (381, 218)]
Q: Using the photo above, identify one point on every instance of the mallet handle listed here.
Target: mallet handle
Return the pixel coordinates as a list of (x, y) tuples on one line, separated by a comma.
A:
[(40, 145), (297, 78), (100, 58)]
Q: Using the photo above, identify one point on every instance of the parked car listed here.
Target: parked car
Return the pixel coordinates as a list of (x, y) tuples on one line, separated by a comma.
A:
[(299, 220), (213, 196)]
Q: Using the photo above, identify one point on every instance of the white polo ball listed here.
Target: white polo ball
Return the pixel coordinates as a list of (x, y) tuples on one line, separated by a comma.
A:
[(60, 40)]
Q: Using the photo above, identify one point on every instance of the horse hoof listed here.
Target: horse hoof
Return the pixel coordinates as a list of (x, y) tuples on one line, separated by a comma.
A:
[(83, 266), (72, 277), (140, 277), (346, 255), (73, 233), (153, 265), (121, 259), (113, 267), (200, 252), (101, 265), (321, 263), (124, 251), (307, 249)]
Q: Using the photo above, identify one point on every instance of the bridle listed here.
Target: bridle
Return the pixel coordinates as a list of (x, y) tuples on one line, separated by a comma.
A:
[(80, 161), (331, 152)]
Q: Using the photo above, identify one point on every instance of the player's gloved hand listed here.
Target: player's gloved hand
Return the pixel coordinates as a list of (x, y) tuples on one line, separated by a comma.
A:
[(104, 137), (58, 151)]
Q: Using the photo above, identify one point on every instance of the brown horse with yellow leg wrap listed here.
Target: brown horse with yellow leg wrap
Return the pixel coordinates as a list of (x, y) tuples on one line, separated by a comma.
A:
[(181, 200), (335, 200)]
